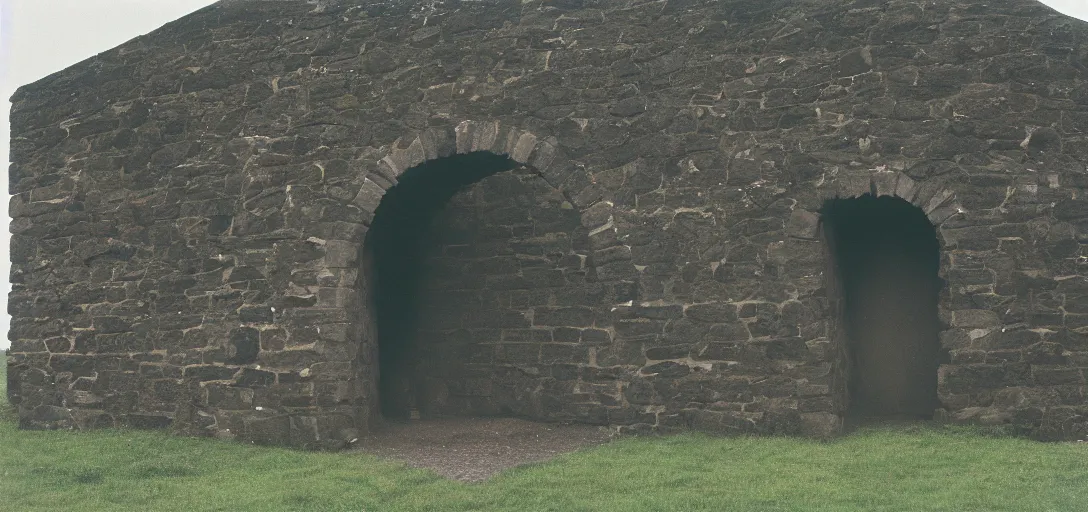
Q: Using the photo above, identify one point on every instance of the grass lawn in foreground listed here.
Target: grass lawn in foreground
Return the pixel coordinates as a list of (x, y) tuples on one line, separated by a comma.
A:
[(909, 469)]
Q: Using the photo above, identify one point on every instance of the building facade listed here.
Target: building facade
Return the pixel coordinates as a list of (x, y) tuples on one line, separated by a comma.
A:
[(283, 221)]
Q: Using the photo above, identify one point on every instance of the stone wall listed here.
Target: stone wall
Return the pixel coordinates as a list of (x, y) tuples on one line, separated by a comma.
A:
[(189, 208)]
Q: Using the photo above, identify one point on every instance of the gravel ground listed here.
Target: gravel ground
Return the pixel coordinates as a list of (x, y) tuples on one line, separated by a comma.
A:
[(474, 449)]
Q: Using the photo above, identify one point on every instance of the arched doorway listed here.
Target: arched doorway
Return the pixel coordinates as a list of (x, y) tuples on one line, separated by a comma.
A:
[(397, 246), (459, 253), (885, 258)]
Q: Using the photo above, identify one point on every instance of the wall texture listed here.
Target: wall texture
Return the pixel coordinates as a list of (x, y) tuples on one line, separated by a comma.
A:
[(189, 209)]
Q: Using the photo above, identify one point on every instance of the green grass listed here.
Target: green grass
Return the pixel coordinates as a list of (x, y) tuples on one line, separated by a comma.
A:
[(915, 469)]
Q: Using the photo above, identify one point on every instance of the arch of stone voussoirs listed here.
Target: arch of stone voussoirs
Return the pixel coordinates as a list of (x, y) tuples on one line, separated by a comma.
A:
[(937, 201), (541, 154)]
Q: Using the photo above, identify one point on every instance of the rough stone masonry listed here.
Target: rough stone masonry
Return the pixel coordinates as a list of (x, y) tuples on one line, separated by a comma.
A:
[(283, 222)]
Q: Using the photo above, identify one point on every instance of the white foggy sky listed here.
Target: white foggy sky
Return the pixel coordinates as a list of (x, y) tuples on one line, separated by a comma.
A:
[(39, 37)]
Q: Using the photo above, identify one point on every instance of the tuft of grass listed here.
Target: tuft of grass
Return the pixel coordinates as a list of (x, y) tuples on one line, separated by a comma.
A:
[(878, 468)]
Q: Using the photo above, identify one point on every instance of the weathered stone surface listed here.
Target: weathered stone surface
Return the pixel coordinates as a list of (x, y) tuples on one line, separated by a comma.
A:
[(190, 210)]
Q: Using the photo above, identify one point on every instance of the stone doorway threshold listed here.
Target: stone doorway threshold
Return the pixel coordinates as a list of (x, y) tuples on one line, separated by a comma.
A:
[(475, 449), (854, 423)]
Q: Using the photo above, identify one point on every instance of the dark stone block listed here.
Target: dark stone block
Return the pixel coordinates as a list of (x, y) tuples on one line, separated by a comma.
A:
[(685, 331), (127, 342), (659, 312), (244, 343), (596, 337), (556, 353), (566, 335), (569, 317), (533, 335), (1071, 209), (42, 416), (780, 421), (176, 285), (638, 328), (855, 62), (544, 278), (498, 318), (729, 332), (78, 365), (219, 224), (518, 353), (111, 324), (667, 370), (1010, 339), (209, 372), (294, 301), (777, 386), (54, 345), (712, 312), (275, 430), (668, 352), (973, 378), (255, 314), (721, 351), (255, 378), (639, 392), (1056, 376), (1046, 353), (787, 348)]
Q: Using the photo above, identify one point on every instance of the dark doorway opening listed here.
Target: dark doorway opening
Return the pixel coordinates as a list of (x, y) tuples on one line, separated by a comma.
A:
[(885, 257), (394, 249)]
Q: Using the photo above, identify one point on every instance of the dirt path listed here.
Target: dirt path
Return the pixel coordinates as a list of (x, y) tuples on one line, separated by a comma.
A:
[(474, 449)]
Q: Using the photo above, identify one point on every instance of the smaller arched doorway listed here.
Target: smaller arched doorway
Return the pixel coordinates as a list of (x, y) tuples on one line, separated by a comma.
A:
[(885, 258)]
